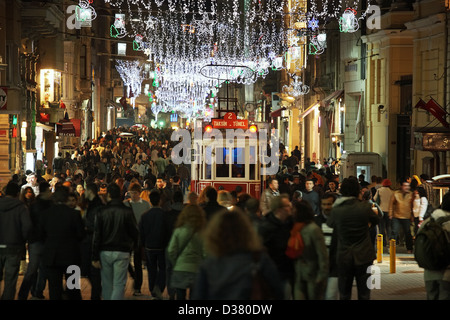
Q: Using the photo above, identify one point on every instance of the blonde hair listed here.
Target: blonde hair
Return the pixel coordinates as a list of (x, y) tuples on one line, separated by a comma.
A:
[(230, 232), (224, 198)]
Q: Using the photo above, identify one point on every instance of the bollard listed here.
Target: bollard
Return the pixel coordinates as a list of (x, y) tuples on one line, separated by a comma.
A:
[(380, 248), (392, 255)]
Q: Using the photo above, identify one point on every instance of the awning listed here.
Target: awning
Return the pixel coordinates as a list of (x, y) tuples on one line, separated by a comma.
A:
[(277, 113), (309, 109), (332, 96), (44, 126), (65, 129)]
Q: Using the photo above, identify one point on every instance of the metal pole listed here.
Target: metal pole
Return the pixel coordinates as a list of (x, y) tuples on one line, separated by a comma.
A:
[(392, 255), (379, 248)]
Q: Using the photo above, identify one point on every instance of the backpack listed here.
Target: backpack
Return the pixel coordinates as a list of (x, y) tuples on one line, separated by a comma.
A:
[(295, 245), (432, 244)]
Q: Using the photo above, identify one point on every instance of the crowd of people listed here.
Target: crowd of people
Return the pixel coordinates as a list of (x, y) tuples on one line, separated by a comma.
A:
[(119, 206)]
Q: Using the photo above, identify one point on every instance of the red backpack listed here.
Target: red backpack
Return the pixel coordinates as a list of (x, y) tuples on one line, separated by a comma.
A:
[(295, 245)]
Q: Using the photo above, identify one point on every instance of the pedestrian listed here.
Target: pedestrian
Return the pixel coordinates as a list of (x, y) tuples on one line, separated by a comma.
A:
[(420, 206), (211, 206), (34, 279), (311, 268), (313, 198), (326, 204), (401, 214), (139, 207), (154, 230), (15, 225), (62, 231), (431, 194), (185, 251), (268, 195), (382, 198), (437, 282), (351, 219), (234, 252), (275, 230), (93, 205), (114, 237)]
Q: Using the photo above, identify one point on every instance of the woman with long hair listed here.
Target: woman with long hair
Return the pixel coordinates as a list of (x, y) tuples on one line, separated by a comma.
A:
[(185, 250), (235, 253), (27, 196)]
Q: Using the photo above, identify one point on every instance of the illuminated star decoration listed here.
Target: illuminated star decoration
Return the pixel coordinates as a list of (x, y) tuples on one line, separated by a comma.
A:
[(313, 24), (205, 26)]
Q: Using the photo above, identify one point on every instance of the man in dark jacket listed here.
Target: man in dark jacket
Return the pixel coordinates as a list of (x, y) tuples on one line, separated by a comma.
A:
[(94, 205), (275, 230), (154, 229), (62, 231), (35, 246), (211, 206), (114, 237), (351, 219), (15, 225)]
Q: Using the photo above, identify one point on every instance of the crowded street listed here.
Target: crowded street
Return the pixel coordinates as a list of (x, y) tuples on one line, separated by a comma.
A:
[(224, 150)]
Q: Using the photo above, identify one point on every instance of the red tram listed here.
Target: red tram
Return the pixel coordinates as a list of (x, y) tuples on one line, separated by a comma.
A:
[(227, 155)]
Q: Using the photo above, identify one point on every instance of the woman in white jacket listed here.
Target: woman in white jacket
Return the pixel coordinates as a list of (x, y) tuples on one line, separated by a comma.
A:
[(420, 205), (382, 198)]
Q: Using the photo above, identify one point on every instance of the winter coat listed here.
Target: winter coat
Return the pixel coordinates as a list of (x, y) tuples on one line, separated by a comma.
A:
[(351, 217)]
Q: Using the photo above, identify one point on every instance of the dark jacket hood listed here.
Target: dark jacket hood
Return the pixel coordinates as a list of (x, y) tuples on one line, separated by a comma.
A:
[(9, 203)]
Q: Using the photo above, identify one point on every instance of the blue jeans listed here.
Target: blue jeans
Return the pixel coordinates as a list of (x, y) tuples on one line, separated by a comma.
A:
[(114, 273), (29, 280), (405, 224), (9, 266)]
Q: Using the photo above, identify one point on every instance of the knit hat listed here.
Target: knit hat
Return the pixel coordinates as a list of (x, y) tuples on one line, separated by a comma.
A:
[(386, 183)]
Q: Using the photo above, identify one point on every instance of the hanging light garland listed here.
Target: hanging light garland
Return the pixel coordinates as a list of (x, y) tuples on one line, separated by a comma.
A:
[(200, 44), (131, 73)]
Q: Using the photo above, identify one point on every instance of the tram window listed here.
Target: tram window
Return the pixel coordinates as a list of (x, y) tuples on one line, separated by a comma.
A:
[(222, 165), (208, 167), (238, 166), (252, 163)]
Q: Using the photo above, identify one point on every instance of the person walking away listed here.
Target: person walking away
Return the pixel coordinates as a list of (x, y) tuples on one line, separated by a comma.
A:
[(62, 231), (275, 230), (94, 205), (437, 282), (351, 218), (35, 246), (114, 237), (382, 198), (154, 230), (139, 207), (326, 203), (234, 253), (185, 251), (311, 268), (15, 225), (401, 214)]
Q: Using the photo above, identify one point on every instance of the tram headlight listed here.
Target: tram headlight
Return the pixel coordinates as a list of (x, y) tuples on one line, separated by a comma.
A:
[(253, 128), (208, 128)]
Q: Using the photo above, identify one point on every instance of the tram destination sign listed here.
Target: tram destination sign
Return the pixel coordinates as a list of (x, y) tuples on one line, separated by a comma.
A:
[(229, 121)]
